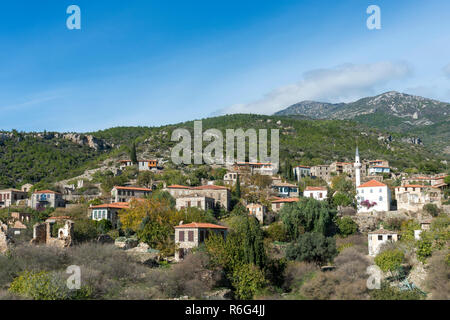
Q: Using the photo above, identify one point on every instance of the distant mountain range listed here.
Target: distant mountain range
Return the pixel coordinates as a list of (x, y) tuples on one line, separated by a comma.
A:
[(392, 111)]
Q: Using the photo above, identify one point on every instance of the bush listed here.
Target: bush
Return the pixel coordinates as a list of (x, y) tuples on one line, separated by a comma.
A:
[(39, 286), (390, 260), (431, 209), (297, 273), (312, 247), (277, 232), (387, 292), (247, 280), (394, 224), (347, 226)]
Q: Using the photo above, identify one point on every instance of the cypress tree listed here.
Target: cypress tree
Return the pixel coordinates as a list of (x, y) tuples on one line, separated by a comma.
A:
[(133, 156)]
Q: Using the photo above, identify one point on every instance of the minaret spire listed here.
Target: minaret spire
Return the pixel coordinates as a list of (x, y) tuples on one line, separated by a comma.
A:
[(357, 168)]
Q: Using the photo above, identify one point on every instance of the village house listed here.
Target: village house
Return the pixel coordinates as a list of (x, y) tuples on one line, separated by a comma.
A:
[(373, 170), (341, 168), (379, 237), (424, 180), (321, 171), (257, 210), (191, 235), (263, 168), (197, 201), (230, 178), (11, 197), (318, 193), (26, 187), (301, 172), (373, 196), (382, 163), (143, 165), (46, 199), (125, 194), (413, 197), (220, 194), (107, 211), (277, 204), (285, 190)]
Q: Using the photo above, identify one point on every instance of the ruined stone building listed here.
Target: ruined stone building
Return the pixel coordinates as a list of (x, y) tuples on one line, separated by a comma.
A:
[(55, 232)]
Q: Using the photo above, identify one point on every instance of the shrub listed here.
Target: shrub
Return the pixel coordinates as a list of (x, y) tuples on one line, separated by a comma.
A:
[(247, 280), (389, 260), (277, 232), (347, 226), (394, 224), (431, 209), (39, 286), (312, 247), (387, 292)]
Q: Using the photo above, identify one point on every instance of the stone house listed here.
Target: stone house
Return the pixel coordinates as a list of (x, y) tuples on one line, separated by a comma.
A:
[(108, 211), (373, 196), (379, 170), (220, 194), (11, 197), (257, 210), (230, 178), (43, 232), (318, 193), (26, 187), (413, 197), (191, 235), (125, 194), (321, 171), (379, 237), (277, 204), (46, 198), (342, 168), (197, 201)]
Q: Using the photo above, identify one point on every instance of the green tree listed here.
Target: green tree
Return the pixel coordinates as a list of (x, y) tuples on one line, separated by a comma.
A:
[(312, 247), (238, 187), (346, 226), (307, 215), (133, 156), (390, 260), (247, 280)]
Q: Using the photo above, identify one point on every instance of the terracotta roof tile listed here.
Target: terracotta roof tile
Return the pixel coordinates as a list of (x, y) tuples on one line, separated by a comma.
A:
[(200, 225), (372, 183)]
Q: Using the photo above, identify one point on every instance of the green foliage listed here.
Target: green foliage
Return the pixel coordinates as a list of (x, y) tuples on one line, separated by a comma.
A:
[(390, 260), (347, 226), (431, 209), (238, 187), (247, 280), (407, 230), (424, 248), (387, 292), (312, 247), (85, 230), (277, 232), (133, 156), (165, 196), (103, 226), (342, 199), (307, 215)]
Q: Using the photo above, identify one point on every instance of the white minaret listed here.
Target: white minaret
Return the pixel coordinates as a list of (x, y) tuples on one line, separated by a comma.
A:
[(357, 169)]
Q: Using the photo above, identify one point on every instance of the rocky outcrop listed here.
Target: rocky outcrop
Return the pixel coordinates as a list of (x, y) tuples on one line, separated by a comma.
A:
[(86, 140), (4, 239), (413, 140), (143, 254)]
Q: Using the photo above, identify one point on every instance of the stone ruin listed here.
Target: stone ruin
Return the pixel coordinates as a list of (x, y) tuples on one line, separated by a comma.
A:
[(4, 239), (42, 233)]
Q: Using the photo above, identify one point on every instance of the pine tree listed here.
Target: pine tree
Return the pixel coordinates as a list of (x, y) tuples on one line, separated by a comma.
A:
[(133, 156), (238, 187)]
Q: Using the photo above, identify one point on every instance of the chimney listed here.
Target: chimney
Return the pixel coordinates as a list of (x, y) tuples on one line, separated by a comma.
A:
[(181, 222)]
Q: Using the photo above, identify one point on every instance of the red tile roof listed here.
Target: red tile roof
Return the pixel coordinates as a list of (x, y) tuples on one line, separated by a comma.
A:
[(286, 200), (201, 225), (47, 191), (301, 166), (372, 183), (177, 186), (132, 188), (309, 188), (114, 205), (209, 187)]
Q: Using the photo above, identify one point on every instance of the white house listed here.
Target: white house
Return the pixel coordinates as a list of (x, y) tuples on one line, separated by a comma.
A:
[(379, 237), (373, 196), (318, 193)]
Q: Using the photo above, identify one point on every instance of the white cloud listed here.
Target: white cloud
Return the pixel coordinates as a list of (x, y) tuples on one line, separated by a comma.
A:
[(446, 70), (344, 83)]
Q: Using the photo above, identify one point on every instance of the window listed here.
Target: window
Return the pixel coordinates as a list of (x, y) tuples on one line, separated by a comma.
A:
[(389, 237), (371, 190), (202, 235), (181, 236), (380, 198), (190, 235), (381, 190), (380, 237)]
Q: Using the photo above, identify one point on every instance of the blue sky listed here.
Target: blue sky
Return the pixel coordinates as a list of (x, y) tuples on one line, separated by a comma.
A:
[(159, 62)]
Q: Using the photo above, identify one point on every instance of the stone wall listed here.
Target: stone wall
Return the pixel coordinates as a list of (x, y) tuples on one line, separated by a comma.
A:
[(4, 239)]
